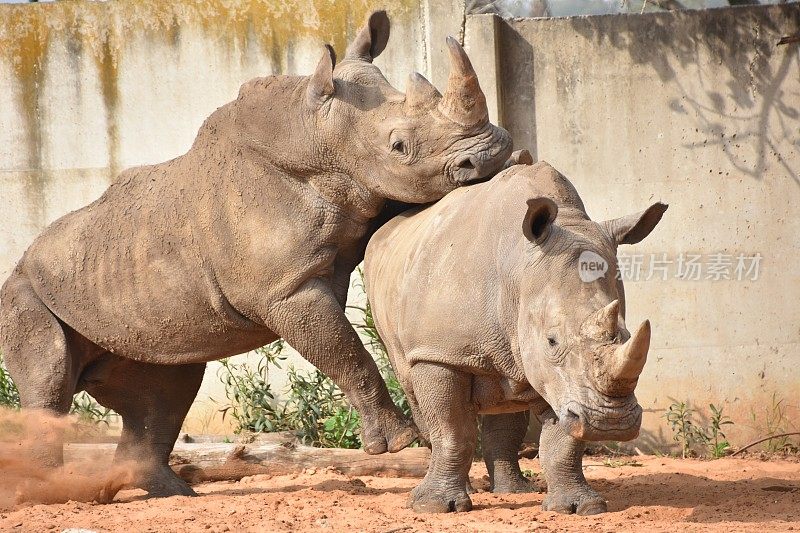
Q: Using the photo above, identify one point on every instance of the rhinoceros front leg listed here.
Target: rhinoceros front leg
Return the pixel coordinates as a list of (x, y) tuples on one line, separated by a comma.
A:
[(443, 395), (561, 457), (313, 322), (501, 438)]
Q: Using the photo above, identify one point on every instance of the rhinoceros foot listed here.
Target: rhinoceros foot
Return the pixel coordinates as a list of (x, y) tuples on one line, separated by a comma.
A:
[(163, 482), (432, 497), (511, 482), (382, 433), (582, 501)]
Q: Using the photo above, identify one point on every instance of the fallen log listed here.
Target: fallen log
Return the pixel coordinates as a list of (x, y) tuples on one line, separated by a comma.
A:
[(196, 462)]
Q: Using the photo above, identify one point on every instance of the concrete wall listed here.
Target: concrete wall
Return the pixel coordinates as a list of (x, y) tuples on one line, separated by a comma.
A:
[(702, 111)]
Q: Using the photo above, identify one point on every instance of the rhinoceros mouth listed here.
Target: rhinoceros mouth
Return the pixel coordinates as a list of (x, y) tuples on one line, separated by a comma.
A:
[(477, 168), (620, 423), (471, 170)]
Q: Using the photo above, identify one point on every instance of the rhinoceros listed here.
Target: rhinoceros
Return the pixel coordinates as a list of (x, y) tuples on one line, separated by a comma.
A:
[(484, 310), (249, 237)]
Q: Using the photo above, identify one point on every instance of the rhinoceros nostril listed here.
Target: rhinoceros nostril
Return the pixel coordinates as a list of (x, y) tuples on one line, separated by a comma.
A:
[(466, 164)]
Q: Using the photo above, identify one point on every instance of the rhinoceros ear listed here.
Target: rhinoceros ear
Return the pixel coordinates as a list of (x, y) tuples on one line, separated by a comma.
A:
[(320, 85), (371, 40), (633, 228), (539, 219)]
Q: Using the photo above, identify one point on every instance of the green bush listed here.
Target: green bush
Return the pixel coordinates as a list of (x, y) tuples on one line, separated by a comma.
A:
[(692, 436), (89, 411), (9, 395), (319, 411), (249, 392)]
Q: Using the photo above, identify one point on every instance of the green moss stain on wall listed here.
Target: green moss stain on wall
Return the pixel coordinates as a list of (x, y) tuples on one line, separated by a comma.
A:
[(108, 68), (26, 49), (103, 30)]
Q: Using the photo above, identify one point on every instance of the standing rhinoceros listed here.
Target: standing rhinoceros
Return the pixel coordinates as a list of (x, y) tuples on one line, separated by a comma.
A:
[(250, 236), (483, 309)]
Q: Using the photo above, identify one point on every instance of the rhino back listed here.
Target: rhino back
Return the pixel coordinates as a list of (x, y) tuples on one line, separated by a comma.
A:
[(170, 252), (442, 280), (433, 280)]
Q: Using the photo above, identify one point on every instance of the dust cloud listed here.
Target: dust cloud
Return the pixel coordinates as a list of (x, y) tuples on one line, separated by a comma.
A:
[(25, 438)]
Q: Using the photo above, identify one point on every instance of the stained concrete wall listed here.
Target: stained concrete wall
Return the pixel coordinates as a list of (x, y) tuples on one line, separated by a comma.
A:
[(700, 110)]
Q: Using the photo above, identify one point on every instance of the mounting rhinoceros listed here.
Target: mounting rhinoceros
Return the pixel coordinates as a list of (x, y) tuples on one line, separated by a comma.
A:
[(249, 237), (483, 310)]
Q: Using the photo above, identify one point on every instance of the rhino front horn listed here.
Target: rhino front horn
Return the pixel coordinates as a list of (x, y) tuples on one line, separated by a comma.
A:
[(463, 102), (631, 356)]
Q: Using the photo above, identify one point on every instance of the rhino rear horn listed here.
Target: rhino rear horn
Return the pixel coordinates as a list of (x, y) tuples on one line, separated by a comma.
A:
[(463, 102), (420, 94), (604, 323), (371, 39), (320, 84)]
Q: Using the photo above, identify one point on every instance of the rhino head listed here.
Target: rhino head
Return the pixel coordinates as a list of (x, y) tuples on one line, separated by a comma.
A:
[(575, 347), (362, 134)]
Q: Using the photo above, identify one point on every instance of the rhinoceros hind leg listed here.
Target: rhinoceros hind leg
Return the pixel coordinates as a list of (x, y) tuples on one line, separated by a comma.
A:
[(501, 438), (38, 353), (153, 401), (451, 420), (561, 456)]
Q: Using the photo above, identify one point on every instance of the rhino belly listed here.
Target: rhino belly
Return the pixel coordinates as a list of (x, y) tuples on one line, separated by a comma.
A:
[(494, 394), (135, 292)]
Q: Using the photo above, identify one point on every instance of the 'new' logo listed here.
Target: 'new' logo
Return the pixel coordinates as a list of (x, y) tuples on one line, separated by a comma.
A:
[(591, 266)]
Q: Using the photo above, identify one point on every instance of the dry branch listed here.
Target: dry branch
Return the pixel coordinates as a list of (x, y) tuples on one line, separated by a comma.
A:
[(197, 462), (765, 439)]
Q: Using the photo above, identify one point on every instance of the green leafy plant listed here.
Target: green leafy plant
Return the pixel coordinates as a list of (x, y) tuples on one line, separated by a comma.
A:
[(684, 429), (313, 406), (319, 413), (691, 435), (718, 444), (249, 392), (9, 395), (89, 411)]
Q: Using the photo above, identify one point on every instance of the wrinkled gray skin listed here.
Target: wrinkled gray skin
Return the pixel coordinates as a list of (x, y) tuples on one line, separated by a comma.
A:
[(249, 237), (479, 300)]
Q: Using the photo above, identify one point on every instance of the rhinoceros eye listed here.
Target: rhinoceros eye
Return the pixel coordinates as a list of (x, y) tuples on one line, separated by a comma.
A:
[(399, 147), (552, 341)]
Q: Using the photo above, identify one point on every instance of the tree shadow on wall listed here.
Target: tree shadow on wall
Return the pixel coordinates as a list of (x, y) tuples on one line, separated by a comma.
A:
[(755, 96)]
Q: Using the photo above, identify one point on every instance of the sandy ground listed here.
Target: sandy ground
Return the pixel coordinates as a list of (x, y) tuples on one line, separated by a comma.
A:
[(654, 494)]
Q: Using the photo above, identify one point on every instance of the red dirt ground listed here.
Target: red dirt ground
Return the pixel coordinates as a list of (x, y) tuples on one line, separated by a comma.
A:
[(661, 494)]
